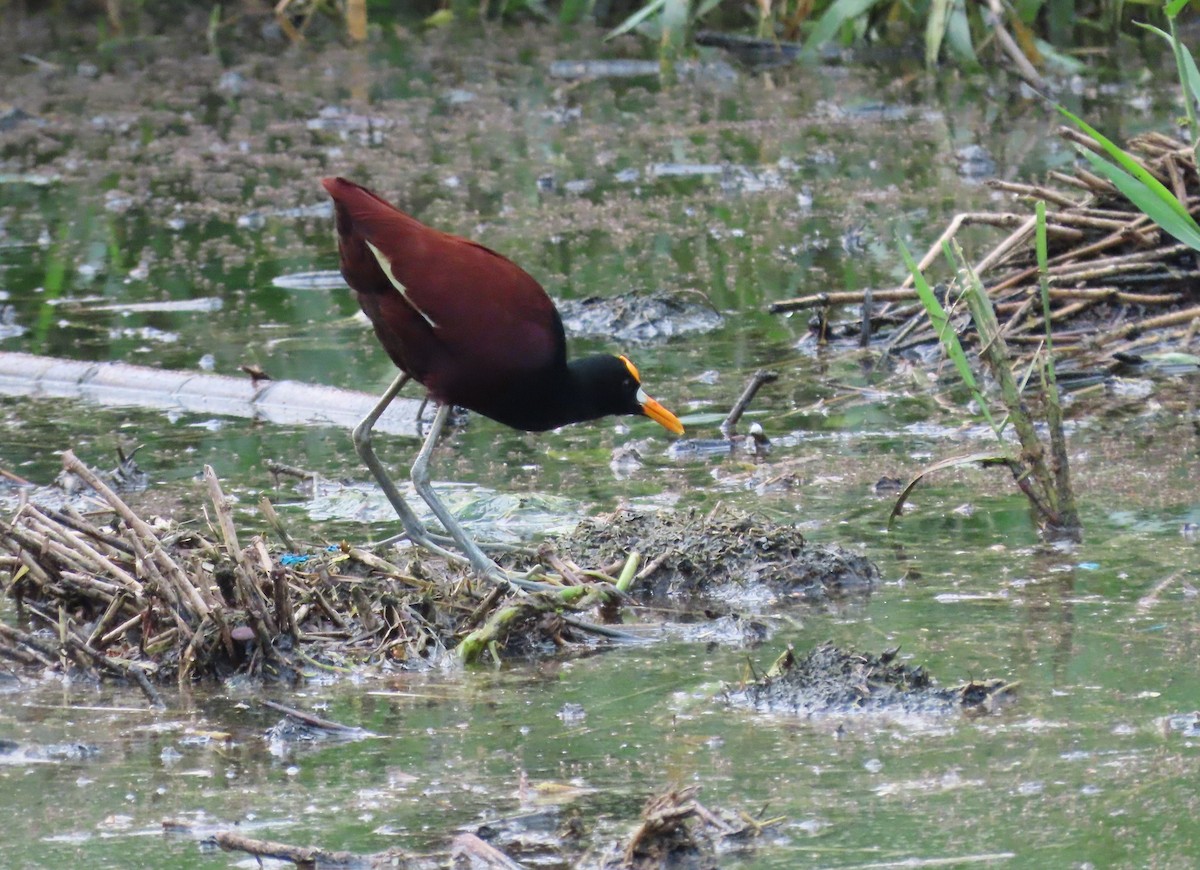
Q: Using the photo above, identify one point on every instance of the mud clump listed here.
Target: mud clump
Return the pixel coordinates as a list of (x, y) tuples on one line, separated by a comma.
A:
[(832, 681), (730, 557), (638, 318)]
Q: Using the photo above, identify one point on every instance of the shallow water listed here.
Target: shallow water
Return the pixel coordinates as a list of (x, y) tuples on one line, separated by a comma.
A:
[(176, 184)]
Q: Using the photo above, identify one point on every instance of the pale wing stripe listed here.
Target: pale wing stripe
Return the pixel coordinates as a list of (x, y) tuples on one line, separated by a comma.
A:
[(386, 265)]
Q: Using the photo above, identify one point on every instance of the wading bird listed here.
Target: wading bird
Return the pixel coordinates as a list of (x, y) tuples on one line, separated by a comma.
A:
[(476, 330)]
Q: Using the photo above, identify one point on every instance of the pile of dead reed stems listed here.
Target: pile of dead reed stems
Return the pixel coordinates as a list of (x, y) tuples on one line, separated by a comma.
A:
[(113, 595), (1118, 284)]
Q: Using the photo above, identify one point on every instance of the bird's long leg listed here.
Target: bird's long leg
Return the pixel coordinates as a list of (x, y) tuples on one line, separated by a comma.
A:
[(413, 527), (421, 416), (420, 479)]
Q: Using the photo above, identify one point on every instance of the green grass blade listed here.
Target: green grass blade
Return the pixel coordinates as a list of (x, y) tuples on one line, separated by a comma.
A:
[(831, 22), (675, 19), (1147, 201), (1042, 248), (945, 332), (1190, 72), (935, 30), (1132, 167), (1058, 60), (958, 38), (651, 8)]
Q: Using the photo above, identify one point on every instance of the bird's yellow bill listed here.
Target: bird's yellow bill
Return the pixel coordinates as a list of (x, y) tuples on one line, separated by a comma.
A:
[(661, 416)]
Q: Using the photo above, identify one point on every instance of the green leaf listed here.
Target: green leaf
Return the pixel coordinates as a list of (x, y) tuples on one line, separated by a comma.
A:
[(935, 30), (441, 18), (1175, 7), (651, 8), (1193, 74), (1189, 62), (831, 22), (675, 18), (958, 37), (945, 332), (1148, 201), (1135, 169), (1057, 59)]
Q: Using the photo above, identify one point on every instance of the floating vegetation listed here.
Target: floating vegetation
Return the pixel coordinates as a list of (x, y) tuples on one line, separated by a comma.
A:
[(151, 601), (676, 830)]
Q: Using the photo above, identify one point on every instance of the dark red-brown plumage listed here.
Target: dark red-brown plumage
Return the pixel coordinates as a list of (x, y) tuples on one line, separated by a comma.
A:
[(472, 326)]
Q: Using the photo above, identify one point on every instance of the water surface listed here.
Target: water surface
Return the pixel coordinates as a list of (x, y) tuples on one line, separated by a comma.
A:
[(177, 193)]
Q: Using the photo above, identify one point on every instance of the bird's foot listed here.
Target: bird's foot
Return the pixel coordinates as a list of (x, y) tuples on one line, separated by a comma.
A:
[(517, 581), (438, 545)]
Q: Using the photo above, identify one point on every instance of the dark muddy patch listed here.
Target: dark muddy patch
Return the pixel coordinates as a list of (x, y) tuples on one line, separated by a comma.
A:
[(728, 557), (637, 318), (832, 681)]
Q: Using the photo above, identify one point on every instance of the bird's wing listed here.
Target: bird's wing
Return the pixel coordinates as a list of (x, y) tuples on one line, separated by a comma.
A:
[(467, 293)]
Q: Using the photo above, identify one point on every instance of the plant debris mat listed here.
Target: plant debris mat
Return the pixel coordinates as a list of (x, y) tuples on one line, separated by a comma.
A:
[(722, 556), (152, 602), (831, 681), (1120, 287)]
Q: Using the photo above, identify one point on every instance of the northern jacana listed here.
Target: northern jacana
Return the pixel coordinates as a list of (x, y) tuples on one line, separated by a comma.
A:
[(476, 330)]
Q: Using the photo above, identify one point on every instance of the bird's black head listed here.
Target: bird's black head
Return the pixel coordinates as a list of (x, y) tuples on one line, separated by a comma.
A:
[(611, 385)]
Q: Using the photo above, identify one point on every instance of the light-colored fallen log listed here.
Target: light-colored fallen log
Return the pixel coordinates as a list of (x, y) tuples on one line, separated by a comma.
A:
[(120, 384)]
